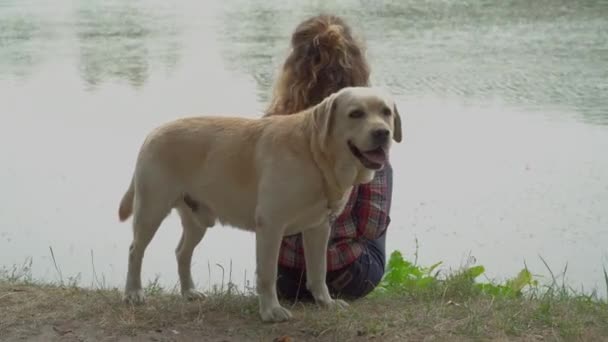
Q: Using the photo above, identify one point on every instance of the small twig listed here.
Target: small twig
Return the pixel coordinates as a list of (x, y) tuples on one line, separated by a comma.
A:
[(230, 277), (56, 267), (491, 303), (6, 295), (209, 277), (445, 290), (295, 300), (222, 267), (564, 278), (323, 332), (95, 278)]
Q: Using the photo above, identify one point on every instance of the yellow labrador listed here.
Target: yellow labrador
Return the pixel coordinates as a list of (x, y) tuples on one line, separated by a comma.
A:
[(275, 176)]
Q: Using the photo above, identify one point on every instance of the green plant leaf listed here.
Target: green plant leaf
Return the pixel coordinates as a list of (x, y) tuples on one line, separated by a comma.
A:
[(475, 271), (521, 280)]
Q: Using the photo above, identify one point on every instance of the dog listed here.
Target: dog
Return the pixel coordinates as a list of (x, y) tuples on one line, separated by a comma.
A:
[(274, 176)]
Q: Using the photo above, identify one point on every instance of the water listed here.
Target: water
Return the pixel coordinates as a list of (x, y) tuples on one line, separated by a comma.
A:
[(505, 111)]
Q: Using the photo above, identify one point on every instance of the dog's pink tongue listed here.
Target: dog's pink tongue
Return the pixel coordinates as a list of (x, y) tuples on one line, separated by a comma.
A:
[(376, 156)]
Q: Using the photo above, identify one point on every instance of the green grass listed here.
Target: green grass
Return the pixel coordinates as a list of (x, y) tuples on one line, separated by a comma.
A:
[(413, 302)]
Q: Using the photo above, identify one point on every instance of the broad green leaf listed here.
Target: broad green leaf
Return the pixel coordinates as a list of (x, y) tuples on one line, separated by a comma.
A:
[(523, 278), (475, 271)]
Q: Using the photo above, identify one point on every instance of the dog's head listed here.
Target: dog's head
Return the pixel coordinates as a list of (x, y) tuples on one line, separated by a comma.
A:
[(360, 122)]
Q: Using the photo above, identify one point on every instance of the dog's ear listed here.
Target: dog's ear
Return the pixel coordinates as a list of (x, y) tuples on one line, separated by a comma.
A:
[(323, 116), (396, 124)]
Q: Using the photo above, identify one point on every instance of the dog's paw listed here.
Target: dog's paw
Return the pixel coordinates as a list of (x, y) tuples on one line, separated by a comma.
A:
[(193, 295), (134, 296), (275, 314)]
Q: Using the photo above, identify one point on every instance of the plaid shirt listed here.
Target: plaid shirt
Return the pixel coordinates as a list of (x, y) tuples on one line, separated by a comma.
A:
[(365, 216)]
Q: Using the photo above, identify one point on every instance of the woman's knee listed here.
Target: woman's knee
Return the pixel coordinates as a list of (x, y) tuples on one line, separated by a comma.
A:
[(363, 277)]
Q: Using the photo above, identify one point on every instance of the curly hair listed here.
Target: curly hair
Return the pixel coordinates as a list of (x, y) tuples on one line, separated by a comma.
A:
[(324, 58)]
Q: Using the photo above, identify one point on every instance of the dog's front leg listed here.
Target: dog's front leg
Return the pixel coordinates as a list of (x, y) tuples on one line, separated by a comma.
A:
[(268, 243), (315, 253)]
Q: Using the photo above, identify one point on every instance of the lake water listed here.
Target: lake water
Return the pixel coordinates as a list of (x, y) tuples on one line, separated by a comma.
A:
[(505, 108)]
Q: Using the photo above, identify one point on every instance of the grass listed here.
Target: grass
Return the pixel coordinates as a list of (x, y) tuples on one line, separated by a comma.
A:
[(413, 302)]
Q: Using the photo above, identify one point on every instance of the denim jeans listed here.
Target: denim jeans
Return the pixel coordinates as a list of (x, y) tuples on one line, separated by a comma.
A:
[(353, 281)]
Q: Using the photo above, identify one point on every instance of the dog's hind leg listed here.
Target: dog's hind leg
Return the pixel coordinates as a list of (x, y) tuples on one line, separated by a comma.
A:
[(149, 213), (195, 222)]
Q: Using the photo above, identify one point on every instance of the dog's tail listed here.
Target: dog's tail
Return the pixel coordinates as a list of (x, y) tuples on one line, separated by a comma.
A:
[(126, 204)]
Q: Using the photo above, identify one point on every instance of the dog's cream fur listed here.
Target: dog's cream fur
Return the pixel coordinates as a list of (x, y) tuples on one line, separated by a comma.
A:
[(276, 176)]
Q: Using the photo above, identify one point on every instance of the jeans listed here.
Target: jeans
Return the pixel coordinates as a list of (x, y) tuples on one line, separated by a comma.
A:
[(350, 282)]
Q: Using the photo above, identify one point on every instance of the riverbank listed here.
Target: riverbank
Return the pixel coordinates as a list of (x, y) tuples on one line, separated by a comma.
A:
[(50, 312)]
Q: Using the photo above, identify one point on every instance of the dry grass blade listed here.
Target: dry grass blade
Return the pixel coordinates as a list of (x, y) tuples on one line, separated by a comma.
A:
[(606, 281), (56, 266)]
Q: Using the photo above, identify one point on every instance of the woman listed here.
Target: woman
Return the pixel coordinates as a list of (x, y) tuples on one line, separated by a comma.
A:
[(325, 57)]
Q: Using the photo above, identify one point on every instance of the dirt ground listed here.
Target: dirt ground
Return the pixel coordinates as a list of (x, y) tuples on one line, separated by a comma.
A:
[(30, 312)]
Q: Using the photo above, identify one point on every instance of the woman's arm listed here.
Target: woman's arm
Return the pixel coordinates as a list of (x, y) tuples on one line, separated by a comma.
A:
[(372, 208)]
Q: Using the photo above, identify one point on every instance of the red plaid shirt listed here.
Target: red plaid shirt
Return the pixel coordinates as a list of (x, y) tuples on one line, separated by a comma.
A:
[(365, 216)]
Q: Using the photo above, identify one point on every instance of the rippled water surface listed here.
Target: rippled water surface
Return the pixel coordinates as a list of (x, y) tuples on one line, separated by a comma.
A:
[(505, 109)]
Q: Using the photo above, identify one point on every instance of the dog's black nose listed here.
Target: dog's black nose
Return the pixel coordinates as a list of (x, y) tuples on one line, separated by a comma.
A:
[(381, 136)]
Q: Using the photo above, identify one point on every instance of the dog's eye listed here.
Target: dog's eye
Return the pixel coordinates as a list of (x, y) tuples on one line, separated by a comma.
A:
[(386, 111), (356, 114)]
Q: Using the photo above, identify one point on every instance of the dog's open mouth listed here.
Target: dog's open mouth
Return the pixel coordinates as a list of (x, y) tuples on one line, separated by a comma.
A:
[(373, 159)]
